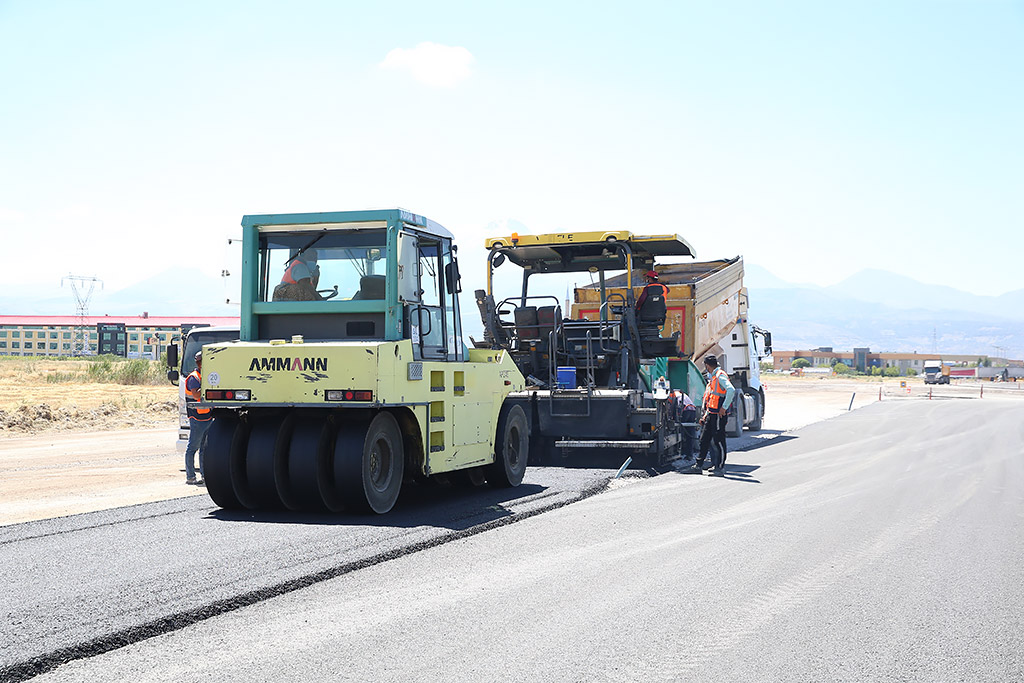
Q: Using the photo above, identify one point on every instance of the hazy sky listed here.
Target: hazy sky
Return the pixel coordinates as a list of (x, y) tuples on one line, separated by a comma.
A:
[(815, 138)]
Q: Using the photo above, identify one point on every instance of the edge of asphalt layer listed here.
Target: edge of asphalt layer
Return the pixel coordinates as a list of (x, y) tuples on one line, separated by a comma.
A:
[(41, 664), (80, 521)]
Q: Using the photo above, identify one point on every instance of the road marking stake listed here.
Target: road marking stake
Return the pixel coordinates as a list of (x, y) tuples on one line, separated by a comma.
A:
[(851, 401), (879, 393), (624, 466)]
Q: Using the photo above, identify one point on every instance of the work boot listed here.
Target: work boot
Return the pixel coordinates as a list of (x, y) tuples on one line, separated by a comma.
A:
[(695, 468), (192, 481)]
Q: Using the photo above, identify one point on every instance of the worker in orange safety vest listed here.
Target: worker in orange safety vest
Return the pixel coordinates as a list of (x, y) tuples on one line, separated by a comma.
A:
[(717, 397), (199, 421), (300, 279)]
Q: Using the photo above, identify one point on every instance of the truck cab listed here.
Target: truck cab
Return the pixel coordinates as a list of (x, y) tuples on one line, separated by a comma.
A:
[(936, 372), (178, 369)]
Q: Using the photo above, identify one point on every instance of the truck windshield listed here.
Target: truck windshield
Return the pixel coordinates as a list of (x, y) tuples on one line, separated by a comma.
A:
[(196, 340), (307, 266)]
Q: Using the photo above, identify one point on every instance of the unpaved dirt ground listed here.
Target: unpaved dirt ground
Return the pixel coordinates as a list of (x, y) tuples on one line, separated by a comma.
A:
[(56, 474), (103, 454), (69, 446), (41, 394)]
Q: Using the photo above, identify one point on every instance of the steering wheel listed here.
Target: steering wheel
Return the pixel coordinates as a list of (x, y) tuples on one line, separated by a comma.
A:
[(328, 293)]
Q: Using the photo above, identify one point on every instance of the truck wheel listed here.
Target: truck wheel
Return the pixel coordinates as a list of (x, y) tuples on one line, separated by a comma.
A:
[(370, 477), (737, 428), (755, 422), (226, 444), (511, 450)]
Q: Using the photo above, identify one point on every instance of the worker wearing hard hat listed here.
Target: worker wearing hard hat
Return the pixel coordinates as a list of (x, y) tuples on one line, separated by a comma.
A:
[(199, 421), (717, 396), (653, 295), (300, 279)]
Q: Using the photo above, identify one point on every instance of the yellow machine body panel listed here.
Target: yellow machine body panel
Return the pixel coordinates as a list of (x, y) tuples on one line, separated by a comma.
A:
[(455, 404)]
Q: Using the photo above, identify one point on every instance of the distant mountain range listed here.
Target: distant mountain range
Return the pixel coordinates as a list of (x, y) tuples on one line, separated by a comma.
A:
[(874, 308), (886, 312)]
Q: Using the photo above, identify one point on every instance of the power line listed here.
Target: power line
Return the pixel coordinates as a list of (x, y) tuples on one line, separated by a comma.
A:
[(82, 286)]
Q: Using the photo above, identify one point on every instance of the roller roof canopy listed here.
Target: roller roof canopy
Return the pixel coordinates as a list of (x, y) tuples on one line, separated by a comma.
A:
[(294, 222), (581, 251)]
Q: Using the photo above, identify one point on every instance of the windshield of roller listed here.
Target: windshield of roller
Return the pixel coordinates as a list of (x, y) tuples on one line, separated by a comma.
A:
[(321, 265)]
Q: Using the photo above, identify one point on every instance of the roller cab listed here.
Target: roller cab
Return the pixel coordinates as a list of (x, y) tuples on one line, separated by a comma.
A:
[(350, 375)]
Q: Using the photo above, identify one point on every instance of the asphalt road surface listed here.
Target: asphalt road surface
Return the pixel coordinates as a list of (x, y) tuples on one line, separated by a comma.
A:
[(885, 544)]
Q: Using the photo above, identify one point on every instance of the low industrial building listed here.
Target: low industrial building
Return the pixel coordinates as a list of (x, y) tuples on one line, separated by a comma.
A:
[(864, 360), (131, 336)]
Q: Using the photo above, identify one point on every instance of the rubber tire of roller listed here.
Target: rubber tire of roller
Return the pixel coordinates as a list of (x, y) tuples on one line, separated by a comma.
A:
[(309, 453), (370, 476), (511, 449), (268, 443), (224, 459)]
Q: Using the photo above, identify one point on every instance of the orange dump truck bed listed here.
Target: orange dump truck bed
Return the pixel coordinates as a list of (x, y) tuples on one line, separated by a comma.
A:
[(705, 300)]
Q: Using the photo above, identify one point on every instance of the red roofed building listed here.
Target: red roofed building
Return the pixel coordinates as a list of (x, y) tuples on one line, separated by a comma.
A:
[(145, 336)]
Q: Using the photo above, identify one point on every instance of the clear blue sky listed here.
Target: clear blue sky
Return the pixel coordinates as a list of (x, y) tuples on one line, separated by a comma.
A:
[(815, 138)]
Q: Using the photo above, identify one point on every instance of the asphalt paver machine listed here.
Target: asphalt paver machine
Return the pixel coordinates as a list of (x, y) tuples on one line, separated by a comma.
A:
[(589, 392)]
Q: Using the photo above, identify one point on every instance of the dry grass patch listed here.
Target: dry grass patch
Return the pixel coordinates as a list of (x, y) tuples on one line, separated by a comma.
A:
[(39, 394)]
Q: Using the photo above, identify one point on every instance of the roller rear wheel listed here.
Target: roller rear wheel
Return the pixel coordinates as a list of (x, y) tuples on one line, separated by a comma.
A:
[(226, 443), (264, 458), (308, 456), (369, 463)]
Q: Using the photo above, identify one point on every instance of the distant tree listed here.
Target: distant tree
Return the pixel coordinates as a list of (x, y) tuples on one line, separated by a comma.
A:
[(892, 372), (876, 371), (841, 369), (766, 366), (911, 372), (801, 363)]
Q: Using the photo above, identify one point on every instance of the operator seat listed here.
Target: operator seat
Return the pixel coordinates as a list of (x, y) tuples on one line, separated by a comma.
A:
[(547, 320), (650, 319), (526, 322), (652, 312), (370, 287)]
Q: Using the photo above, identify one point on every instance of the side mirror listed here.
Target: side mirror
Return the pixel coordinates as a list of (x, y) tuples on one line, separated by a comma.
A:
[(497, 260), (172, 359), (767, 343), (453, 280), (172, 376)]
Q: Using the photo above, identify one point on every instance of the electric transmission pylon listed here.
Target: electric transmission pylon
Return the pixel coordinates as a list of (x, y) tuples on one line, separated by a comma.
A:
[(81, 346)]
